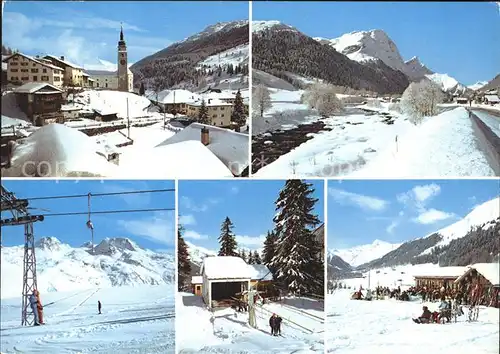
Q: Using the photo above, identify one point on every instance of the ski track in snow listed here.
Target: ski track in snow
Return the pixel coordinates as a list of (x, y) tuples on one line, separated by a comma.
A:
[(232, 334), (134, 320), (360, 326)]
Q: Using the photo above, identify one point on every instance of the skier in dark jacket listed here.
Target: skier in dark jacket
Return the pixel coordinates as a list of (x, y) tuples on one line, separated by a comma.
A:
[(278, 325), (426, 316), (99, 306), (272, 323)]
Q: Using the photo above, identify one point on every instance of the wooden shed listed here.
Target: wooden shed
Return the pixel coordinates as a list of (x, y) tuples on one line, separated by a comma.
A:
[(41, 102)]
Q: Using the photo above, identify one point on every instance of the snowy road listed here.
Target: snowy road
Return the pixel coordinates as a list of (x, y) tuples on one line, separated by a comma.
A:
[(492, 121), (232, 334), (133, 320), (360, 326)]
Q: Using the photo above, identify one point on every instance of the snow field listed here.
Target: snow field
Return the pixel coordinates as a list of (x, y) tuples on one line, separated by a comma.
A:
[(231, 333), (115, 102), (360, 326), (133, 320), (233, 56)]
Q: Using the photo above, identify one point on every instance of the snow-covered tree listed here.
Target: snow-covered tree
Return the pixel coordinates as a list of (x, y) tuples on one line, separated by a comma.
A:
[(183, 262), (203, 113), (256, 258), (227, 239), (269, 250), (322, 97), (261, 99), (297, 261), (243, 255), (251, 259), (420, 100), (238, 116)]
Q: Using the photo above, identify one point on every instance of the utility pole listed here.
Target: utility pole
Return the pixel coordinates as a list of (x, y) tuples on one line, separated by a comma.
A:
[(128, 121), (18, 208)]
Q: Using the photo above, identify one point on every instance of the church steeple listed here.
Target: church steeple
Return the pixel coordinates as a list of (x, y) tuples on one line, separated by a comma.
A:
[(121, 41)]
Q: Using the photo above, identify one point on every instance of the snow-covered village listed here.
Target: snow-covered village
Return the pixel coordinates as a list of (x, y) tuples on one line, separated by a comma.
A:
[(87, 267), (102, 97), (413, 266), (342, 90), (250, 278)]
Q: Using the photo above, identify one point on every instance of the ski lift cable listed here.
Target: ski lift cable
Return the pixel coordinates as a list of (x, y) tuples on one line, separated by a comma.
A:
[(109, 212), (101, 194)]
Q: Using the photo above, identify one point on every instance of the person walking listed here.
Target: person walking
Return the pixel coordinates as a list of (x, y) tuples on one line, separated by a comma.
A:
[(278, 321), (99, 306), (39, 307), (272, 324)]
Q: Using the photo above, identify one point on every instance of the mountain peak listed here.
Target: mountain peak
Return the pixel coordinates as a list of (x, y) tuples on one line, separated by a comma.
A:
[(110, 246), (48, 243)]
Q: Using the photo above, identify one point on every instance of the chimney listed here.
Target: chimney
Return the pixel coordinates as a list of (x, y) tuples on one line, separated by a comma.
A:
[(205, 138), (62, 57), (209, 100)]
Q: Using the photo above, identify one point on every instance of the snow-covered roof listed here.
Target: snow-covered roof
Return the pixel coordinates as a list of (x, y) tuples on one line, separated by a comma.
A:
[(492, 98), (32, 87), (105, 111), (37, 60), (210, 102), (65, 62), (173, 96), (56, 150), (441, 272), (229, 146), (185, 159), (490, 271), (226, 267), (196, 279), (260, 272)]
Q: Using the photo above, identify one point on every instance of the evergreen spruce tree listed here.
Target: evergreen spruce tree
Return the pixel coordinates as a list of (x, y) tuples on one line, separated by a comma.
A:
[(297, 260), (269, 250), (238, 116), (251, 259), (256, 258), (184, 264), (203, 113), (227, 239), (244, 255)]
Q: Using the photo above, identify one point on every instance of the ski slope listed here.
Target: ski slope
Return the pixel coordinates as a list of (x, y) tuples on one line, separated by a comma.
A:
[(133, 320), (360, 326), (230, 332)]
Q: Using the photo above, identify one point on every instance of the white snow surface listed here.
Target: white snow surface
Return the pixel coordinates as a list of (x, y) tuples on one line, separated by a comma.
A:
[(446, 82), (490, 271), (358, 255), (259, 26), (109, 101), (133, 320), (446, 147), (260, 272), (355, 326), (231, 333), (60, 267), (198, 253), (478, 85), (226, 267)]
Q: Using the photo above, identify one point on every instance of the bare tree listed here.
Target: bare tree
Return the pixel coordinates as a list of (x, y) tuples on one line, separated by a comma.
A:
[(322, 97), (261, 99), (421, 99)]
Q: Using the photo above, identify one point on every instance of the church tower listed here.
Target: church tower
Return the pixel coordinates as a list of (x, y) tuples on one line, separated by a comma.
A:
[(122, 64)]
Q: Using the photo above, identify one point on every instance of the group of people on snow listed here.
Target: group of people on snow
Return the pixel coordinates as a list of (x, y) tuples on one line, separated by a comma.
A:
[(275, 323), (444, 312)]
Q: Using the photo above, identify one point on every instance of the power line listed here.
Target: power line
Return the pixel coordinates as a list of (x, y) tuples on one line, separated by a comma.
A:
[(100, 194), (110, 212)]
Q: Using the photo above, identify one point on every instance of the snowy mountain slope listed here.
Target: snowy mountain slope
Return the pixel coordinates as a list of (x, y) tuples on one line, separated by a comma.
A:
[(371, 45), (447, 83), (472, 239), (233, 56), (358, 255), (197, 253), (258, 26), (60, 267), (104, 65), (219, 27), (478, 85)]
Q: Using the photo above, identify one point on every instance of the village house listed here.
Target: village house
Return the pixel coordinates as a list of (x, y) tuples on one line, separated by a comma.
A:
[(219, 111), (491, 99), (197, 284), (41, 102), (73, 74), (22, 69), (173, 101), (462, 100), (108, 80), (487, 274), (223, 279)]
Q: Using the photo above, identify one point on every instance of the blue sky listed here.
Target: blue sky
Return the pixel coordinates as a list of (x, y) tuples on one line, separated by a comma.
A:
[(150, 230), (359, 212), (86, 31), (203, 206), (458, 38)]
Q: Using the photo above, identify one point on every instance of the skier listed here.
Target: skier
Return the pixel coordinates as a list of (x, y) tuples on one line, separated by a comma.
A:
[(278, 325), (426, 316), (368, 295), (39, 307), (99, 306), (272, 324), (33, 302)]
